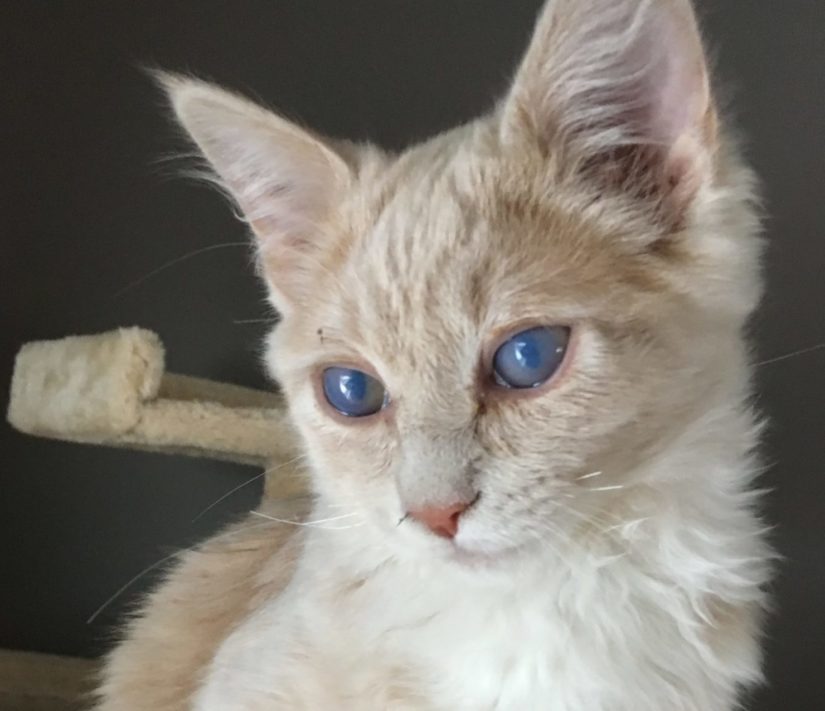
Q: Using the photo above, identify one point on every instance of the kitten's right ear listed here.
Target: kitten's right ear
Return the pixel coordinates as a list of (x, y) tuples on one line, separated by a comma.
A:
[(286, 181)]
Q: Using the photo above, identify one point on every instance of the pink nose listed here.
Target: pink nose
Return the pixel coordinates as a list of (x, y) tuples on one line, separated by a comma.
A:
[(441, 520)]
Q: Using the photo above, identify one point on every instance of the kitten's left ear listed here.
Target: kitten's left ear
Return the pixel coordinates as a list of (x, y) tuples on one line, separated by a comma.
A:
[(286, 181), (619, 91)]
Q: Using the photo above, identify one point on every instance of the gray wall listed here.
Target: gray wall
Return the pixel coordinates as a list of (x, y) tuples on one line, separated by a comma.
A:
[(89, 206)]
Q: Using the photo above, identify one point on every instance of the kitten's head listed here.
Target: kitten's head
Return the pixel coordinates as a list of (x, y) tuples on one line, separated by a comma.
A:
[(521, 316)]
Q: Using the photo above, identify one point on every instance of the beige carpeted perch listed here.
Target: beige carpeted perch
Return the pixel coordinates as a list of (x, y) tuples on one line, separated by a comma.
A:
[(112, 389)]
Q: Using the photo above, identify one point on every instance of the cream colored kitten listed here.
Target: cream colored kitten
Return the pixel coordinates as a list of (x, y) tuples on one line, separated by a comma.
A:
[(515, 358)]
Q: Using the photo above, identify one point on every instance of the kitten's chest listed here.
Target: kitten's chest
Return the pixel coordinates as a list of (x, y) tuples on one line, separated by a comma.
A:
[(451, 644), (558, 642), (435, 645), (476, 654), (486, 651)]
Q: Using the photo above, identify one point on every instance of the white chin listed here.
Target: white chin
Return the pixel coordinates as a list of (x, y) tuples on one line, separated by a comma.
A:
[(473, 543)]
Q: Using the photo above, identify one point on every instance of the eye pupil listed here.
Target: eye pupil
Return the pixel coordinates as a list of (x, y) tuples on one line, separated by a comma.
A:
[(530, 358), (353, 392)]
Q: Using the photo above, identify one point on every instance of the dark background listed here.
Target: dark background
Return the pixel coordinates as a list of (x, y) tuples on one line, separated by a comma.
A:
[(89, 205)]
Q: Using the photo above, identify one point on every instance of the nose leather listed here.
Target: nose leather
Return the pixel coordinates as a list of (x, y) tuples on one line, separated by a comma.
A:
[(441, 520)]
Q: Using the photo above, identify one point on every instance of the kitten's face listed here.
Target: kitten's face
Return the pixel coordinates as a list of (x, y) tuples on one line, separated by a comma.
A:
[(600, 200), (441, 262)]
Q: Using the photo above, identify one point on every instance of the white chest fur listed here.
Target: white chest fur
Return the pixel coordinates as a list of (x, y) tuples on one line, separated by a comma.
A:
[(603, 635)]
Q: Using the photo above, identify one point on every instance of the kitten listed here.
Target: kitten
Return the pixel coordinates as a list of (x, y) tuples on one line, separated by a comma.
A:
[(515, 358)]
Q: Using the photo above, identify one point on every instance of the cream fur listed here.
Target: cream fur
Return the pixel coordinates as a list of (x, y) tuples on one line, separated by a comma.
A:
[(614, 560)]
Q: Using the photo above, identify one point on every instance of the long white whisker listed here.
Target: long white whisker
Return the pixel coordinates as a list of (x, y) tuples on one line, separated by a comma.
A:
[(556, 542), (240, 321), (331, 518), (802, 351), (627, 524), (593, 517), (123, 588), (301, 523), (129, 584), (588, 476), (246, 483), (228, 494), (177, 260), (342, 528), (299, 458)]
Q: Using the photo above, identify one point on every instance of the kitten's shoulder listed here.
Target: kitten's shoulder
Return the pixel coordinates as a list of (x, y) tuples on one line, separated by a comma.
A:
[(177, 631)]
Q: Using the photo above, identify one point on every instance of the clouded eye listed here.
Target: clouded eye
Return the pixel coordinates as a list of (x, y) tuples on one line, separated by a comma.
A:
[(529, 358), (352, 392)]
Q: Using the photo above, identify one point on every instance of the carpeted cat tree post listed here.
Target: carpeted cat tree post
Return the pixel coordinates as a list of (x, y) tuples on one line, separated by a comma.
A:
[(112, 390)]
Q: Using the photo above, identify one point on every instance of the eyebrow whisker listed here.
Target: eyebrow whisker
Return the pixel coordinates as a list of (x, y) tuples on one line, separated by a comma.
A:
[(588, 476), (614, 487)]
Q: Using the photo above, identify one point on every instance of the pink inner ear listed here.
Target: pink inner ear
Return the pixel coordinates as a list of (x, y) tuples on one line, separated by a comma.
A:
[(601, 74), (633, 100), (284, 185), (656, 79), (285, 180), (678, 79)]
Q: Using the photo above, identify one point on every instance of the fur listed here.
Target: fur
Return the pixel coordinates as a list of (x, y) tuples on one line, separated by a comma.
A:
[(614, 560)]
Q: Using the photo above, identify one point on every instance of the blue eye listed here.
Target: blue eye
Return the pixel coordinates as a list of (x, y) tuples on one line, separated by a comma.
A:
[(529, 358), (352, 392)]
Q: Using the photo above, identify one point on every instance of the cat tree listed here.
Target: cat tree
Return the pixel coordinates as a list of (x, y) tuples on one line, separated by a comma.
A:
[(112, 389)]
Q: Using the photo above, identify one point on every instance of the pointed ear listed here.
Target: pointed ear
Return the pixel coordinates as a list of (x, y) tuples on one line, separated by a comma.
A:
[(286, 182), (619, 90)]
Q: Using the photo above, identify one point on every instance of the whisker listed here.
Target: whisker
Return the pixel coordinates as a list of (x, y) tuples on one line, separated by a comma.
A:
[(123, 588), (239, 321), (129, 584), (556, 542), (301, 523), (588, 476), (614, 487), (802, 351), (270, 470), (592, 516), (342, 528), (633, 523), (596, 524), (173, 262), (565, 544), (228, 494), (331, 518), (246, 483)]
